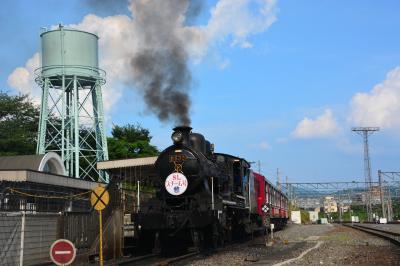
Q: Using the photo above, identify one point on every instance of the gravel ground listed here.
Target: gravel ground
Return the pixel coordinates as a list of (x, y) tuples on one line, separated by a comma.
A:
[(295, 232), (336, 245), (346, 246)]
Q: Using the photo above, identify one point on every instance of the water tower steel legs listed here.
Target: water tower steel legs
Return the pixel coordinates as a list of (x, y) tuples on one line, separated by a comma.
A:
[(40, 149), (70, 127), (102, 149)]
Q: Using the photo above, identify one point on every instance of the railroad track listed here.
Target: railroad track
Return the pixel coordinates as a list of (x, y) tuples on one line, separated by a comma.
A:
[(156, 260), (393, 237)]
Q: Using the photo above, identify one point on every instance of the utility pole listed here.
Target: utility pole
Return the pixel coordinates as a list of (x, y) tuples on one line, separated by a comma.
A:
[(287, 185), (259, 166), (381, 193), (387, 185), (340, 204), (365, 132), (390, 207), (278, 179)]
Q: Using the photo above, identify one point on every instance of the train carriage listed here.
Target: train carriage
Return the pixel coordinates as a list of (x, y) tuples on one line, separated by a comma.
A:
[(272, 203)]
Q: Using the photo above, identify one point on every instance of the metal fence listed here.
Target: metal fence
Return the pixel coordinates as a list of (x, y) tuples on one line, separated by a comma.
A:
[(25, 238), (33, 216)]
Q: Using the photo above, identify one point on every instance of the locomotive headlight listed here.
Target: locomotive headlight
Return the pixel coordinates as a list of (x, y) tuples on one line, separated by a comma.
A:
[(177, 137)]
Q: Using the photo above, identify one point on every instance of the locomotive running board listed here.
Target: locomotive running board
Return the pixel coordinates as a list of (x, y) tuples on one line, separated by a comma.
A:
[(228, 202)]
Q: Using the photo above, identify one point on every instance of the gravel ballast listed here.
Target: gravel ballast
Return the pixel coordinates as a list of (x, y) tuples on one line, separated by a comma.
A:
[(316, 244)]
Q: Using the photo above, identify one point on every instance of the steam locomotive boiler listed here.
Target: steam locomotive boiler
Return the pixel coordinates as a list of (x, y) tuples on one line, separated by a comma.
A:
[(205, 198)]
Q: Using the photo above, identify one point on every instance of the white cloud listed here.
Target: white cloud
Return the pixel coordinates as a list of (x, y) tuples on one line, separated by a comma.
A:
[(321, 127), (233, 20), (224, 64), (379, 107), (264, 145), (282, 140), (23, 78), (239, 19)]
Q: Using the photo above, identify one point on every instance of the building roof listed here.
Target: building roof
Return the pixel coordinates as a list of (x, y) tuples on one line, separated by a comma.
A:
[(45, 178), (126, 163), (50, 162)]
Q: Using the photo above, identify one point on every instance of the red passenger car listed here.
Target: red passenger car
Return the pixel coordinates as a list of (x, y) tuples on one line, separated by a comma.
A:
[(272, 204)]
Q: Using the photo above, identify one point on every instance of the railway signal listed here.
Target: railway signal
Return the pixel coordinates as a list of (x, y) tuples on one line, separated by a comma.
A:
[(99, 200), (62, 252)]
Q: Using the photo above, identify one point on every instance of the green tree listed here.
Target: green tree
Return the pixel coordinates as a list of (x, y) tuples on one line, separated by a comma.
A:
[(130, 141), (19, 119)]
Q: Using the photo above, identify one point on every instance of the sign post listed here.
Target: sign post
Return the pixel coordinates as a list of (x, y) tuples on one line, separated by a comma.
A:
[(99, 200), (265, 209), (62, 252)]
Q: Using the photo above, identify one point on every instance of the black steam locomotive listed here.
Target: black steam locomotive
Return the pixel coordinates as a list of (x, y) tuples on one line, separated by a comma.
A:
[(205, 198)]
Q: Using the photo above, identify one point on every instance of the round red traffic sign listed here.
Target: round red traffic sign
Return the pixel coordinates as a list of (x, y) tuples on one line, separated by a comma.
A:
[(62, 252)]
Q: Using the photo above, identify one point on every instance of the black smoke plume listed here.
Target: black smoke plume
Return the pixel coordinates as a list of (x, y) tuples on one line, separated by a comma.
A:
[(159, 58), (164, 77), (160, 65)]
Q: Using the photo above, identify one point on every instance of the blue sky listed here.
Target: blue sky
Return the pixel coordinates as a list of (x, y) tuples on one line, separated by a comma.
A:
[(289, 99)]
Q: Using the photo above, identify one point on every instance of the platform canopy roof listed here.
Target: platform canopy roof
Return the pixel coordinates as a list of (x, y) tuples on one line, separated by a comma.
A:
[(146, 161), (35, 177), (50, 163)]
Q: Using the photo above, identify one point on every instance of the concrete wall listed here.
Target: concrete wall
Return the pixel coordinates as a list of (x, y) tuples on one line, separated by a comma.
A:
[(295, 217), (313, 216)]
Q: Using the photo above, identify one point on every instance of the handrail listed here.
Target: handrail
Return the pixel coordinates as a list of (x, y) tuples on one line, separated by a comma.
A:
[(78, 70)]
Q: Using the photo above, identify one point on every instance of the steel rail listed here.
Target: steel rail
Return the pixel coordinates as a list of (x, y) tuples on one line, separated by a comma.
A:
[(161, 261), (388, 235)]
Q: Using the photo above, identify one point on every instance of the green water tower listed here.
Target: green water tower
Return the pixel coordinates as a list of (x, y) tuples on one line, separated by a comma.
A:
[(72, 116)]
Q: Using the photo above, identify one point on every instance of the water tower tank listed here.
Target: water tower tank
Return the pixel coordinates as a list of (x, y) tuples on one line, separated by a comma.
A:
[(70, 52)]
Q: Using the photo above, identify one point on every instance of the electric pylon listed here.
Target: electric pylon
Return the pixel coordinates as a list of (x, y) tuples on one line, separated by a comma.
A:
[(365, 132)]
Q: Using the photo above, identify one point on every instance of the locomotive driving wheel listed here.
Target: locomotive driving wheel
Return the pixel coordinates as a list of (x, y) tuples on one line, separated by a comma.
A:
[(218, 235), (198, 239)]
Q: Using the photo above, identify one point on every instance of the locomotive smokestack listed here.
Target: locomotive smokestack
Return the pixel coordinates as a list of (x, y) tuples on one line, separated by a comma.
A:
[(184, 132)]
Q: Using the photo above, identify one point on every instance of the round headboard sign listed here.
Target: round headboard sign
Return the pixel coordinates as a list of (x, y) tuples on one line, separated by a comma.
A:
[(176, 184)]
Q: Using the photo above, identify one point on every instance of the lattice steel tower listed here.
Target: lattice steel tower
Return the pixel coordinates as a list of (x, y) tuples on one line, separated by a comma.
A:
[(365, 132), (71, 116)]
